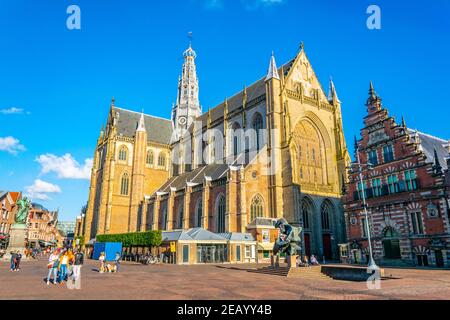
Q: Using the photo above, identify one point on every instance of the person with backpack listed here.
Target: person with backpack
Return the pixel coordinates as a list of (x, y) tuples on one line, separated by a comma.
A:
[(77, 263)]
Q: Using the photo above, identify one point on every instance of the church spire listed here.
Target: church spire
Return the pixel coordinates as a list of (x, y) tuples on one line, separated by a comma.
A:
[(374, 101), (272, 73), (187, 107), (141, 124), (332, 94)]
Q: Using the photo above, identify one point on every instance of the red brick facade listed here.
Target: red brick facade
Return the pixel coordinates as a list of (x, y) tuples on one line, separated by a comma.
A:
[(407, 193)]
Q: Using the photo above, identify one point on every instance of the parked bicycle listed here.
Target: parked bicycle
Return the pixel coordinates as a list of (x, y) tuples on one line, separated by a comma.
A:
[(149, 259)]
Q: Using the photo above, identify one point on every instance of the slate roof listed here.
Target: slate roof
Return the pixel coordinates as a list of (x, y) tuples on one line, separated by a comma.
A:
[(194, 234), (159, 130), (235, 236), (429, 144), (215, 171)]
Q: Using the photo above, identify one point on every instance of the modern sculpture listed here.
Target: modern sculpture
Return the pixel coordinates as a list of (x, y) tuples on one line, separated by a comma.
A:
[(289, 242)]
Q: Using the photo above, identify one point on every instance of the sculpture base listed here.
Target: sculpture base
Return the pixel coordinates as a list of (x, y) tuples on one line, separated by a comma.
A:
[(291, 261), (16, 241)]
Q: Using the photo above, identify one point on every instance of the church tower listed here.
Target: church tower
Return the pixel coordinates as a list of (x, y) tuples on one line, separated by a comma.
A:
[(187, 107)]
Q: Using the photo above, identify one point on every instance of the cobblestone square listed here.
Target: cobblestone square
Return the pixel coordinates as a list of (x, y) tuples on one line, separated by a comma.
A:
[(211, 282)]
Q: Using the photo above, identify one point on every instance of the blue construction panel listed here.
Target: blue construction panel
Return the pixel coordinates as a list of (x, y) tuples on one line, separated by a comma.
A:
[(109, 248), (99, 247)]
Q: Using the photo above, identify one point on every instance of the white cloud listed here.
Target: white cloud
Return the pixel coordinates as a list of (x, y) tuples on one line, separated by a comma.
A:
[(40, 188), (14, 110), (66, 167), (11, 145)]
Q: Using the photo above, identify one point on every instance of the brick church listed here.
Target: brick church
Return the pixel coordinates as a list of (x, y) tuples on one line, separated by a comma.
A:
[(274, 149), (406, 185)]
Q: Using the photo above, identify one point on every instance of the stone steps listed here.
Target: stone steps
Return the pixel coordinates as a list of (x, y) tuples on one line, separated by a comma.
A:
[(314, 273)]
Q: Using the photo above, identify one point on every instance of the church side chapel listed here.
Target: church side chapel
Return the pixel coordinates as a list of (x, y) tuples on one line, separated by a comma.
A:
[(275, 149)]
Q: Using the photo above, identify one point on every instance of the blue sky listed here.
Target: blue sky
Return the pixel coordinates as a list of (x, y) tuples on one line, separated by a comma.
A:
[(56, 84)]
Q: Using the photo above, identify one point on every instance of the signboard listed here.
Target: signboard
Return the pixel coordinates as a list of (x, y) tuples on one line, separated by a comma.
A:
[(173, 246), (265, 236), (77, 242)]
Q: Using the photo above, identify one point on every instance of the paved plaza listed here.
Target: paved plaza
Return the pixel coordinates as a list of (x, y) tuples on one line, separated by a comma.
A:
[(136, 281)]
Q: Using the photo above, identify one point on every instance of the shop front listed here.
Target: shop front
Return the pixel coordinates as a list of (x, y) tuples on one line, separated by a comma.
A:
[(200, 246)]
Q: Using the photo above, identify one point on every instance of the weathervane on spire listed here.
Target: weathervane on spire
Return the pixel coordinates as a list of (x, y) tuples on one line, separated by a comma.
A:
[(190, 37)]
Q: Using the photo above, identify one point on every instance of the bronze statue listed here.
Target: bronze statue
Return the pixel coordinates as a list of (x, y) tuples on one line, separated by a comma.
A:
[(24, 206), (289, 240)]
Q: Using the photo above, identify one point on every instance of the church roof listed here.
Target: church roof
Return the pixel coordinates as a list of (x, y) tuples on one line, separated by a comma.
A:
[(197, 176), (159, 130), (430, 143), (257, 89), (194, 234)]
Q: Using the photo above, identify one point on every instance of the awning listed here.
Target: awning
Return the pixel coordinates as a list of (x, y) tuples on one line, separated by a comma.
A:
[(265, 246)]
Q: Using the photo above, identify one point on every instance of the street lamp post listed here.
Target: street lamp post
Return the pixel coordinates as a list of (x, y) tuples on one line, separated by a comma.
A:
[(372, 265)]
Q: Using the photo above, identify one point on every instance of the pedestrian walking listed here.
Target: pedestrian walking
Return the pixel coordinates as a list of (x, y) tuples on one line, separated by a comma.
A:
[(13, 261), (78, 262), (102, 262), (18, 258), (117, 261), (63, 263), (52, 265)]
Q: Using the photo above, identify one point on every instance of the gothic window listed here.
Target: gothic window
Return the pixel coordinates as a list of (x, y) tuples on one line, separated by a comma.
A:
[(411, 180), (257, 125), (373, 158), (310, 161), (199, 213), (220, 214), (326, 211), (123, 153), (393, 184), (162, 160), (376, 187), (364, 227), (164, 218), (388, 153), (180, 216), (416, 221), (306, 213), (362, 187), (124, 184), (149, 159), (256, 208), (236, 139)]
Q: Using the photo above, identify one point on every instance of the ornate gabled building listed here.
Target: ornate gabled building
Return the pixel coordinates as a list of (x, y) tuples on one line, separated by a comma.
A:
[(406, 190), (275, 149)]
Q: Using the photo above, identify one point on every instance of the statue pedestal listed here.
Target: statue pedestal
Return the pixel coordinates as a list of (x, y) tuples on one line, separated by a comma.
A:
[(17, 238), (275, 261), (291, 261)]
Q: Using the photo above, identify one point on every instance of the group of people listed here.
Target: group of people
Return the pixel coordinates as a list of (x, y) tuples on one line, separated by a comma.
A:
[(64, 263), (108, 267), (16, 256), (305, 262)]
